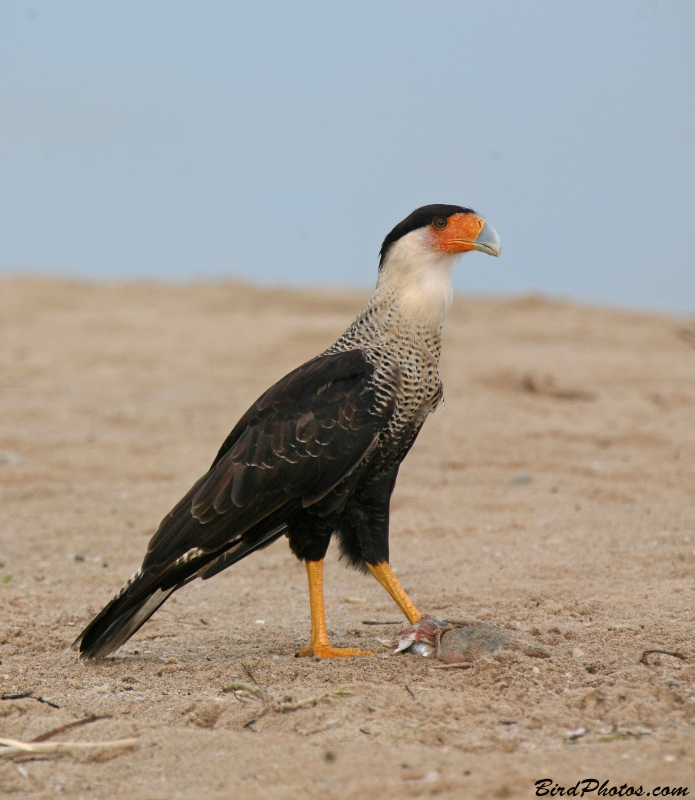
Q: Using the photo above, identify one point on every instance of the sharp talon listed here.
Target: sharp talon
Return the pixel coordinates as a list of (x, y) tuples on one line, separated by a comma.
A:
[(326, 651)]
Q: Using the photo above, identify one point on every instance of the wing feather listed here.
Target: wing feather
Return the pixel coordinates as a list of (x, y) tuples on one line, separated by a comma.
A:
[(305, 443), (299, 440)]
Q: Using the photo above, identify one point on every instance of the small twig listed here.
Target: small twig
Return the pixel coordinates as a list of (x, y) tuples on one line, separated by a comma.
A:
[(410, 691), (29, 694), (12, 746), (245, 687), (257, 717), (47, 702), (281, 708), (612, 737), (63, 728), (249, 671), (311, 701), (382, 622), (256, 690), (644, 660), (457, 665)]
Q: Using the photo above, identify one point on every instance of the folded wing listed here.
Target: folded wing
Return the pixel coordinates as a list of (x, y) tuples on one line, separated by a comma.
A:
[(299, 441)]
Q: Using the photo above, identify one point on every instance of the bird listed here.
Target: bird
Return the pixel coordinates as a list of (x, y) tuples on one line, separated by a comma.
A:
[(318, 454)]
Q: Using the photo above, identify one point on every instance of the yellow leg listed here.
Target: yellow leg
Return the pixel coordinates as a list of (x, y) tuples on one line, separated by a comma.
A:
[(319, 635), (382, 572)]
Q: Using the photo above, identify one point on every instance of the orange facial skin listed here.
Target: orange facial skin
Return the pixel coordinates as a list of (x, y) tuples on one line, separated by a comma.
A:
[(459, 235)]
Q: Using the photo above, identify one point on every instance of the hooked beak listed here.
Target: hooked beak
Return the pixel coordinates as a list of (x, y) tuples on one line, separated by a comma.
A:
[(488, 241)]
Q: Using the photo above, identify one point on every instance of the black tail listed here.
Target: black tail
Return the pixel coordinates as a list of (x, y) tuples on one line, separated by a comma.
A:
[(123, 616), (145, 592)]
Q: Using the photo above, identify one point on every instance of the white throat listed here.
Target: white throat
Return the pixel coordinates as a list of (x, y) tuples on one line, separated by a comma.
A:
[(416, 281)]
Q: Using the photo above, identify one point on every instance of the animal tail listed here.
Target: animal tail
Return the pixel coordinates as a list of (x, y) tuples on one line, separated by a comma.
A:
[(137, 601), (145, 592), (123, 616)]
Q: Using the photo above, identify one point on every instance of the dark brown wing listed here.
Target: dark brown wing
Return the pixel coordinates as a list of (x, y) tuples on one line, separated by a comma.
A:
[(300, 439)]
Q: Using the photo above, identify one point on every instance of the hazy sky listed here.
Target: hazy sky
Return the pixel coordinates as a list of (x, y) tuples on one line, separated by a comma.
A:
[(281, 141)]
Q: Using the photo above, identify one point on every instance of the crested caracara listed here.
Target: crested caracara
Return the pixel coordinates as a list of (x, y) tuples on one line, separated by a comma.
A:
[(318, 454)]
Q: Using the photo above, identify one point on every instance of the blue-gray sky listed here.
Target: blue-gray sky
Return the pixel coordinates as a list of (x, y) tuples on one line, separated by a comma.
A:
[(280, 141)]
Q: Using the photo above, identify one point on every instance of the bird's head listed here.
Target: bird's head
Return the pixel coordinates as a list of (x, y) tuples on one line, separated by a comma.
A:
[(418, 254), (441, 230)]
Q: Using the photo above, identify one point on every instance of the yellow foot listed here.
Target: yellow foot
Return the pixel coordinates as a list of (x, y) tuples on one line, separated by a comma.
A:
[(326, 651)]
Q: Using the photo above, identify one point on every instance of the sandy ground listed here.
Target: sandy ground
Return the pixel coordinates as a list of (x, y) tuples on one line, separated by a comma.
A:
[(553, 495)]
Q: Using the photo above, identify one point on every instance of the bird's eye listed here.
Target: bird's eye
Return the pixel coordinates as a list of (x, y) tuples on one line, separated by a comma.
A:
[(440, 223)]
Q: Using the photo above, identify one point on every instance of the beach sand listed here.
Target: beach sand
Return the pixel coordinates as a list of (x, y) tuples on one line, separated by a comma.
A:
[(553, 495)]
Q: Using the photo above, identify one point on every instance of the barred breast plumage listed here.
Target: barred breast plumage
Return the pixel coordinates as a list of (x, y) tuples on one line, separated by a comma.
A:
[(405, 355)]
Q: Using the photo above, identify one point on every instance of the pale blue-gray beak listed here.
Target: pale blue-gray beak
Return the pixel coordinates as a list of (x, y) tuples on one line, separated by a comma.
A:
[(488, 241)]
